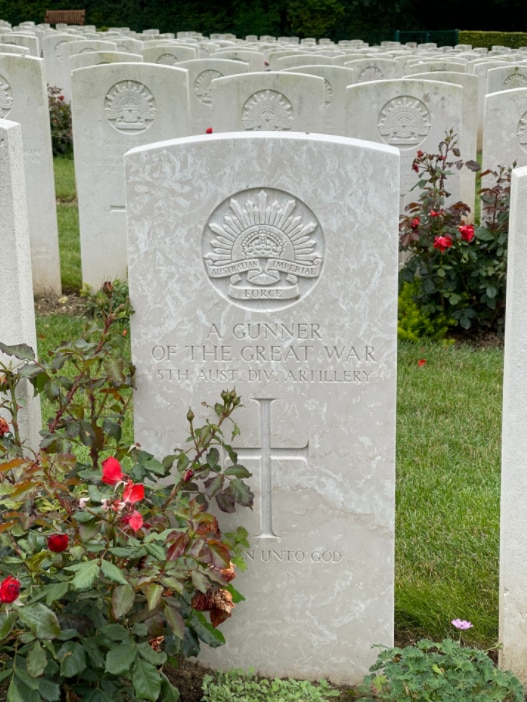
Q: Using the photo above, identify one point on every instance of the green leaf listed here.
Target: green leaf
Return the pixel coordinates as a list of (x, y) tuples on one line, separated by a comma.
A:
[(238, 472), (113, 573), (49, 691), (120, 659), (85, 574), (175, 621), (6, 623), (213, 457), (36, 660), (154, 593), (146, 680), (20, 692), (123, 598), (168, 692), (115, 632), (55, 592), (156, 551), (72, 659), (41, 621), (242, 493), (112, 428), (21, 351), (146, 651), (206, 632)]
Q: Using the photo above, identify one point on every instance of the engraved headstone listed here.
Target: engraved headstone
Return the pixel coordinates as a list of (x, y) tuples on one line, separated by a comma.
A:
[(371, 69), (336, 80), (269, 274), (468, 137), (114, 108), (201, 73), (79, 46), (270, 101), (505, 129), (24, 99), (410, 114), (506, 78), (17, 312), (168, 54), (513, 545)]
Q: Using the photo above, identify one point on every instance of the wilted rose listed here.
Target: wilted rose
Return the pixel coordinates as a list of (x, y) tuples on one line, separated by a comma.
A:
[(4, 427)]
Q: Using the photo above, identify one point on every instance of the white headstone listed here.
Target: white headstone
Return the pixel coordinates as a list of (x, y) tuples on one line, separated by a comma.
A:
[(409, 114), (336, 80), (17, 313), (201, 73), (270, 101), (114, 108), (24, 99), (513, 544), (251, 265), (169, 54), (505, 129)]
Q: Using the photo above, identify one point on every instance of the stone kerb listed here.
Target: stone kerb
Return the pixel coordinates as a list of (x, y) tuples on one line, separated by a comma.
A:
[(17, 313), (114, 108), (269, 101), (513, 545), (409, 114), (252, 266), (24, 99)]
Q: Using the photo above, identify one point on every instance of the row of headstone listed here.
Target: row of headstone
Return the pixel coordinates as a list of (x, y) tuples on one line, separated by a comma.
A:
[(236, 250), (220, 98)]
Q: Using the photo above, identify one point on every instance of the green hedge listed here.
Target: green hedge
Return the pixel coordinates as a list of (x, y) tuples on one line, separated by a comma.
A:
[(489, 39)]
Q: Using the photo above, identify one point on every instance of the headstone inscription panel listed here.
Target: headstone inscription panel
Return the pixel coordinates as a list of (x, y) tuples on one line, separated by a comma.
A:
[(251, 266)]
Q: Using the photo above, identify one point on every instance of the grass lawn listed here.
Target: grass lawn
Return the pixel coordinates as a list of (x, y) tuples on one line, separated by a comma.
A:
[(448, 466)]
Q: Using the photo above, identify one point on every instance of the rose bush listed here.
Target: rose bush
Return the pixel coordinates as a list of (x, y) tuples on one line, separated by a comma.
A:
[(456, 269), (109, 557)]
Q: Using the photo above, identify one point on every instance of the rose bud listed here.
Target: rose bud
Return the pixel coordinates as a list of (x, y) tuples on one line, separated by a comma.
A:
[(58, 542)]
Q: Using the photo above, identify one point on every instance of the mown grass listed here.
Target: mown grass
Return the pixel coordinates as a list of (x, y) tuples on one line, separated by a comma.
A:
[(448, 483), (68, 224), (448, 466)]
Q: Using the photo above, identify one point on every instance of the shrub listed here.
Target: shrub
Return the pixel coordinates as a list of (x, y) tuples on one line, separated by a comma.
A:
[(439, 672), (458, 269), (109, 558), (60, 120), (246, 687), (412, 323)]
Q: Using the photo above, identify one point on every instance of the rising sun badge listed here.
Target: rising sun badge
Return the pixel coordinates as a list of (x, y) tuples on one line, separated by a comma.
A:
[(263, 248)]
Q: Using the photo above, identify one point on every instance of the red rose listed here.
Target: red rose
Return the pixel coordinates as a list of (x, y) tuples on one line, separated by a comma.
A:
[(442, 243), (133, 493), (9, 589), (467, 232), (58, 542), (111, 471), (189, 474), (434, 213), (208, 130), (420, 154), (415, 222), (415, 167)]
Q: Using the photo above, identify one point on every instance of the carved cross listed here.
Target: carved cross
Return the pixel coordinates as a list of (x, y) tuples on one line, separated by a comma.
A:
[(266, 454)]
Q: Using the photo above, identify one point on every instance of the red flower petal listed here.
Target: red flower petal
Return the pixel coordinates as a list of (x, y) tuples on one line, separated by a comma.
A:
[(136, 520), (133, 493), (111, 471)]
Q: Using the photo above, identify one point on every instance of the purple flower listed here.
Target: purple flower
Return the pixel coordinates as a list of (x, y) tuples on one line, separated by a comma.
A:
[(462, 624)]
